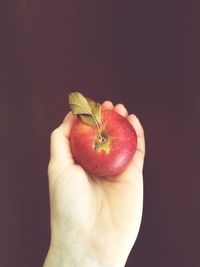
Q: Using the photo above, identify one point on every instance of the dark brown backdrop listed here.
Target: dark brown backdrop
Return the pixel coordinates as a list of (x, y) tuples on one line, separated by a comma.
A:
[(144, 54)]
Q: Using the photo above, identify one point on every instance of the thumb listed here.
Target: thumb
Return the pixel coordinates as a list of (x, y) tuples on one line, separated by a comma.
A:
[(59, 143)]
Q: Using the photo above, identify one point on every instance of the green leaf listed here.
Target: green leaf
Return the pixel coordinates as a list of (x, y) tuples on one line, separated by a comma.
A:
[(88, 119), (96, 109), (88, 110), (79, 104)]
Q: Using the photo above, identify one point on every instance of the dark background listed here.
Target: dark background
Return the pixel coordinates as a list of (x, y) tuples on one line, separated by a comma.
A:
[(144, 54)]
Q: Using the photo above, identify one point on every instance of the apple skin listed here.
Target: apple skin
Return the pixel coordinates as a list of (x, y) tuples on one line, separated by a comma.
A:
[(118, 150)]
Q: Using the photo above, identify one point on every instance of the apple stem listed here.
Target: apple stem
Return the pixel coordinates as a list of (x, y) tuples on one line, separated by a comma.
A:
[(98, 129)]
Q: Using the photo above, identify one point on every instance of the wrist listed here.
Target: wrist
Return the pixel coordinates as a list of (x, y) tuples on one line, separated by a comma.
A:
[(76, 250), (70, 258), (55, 258)]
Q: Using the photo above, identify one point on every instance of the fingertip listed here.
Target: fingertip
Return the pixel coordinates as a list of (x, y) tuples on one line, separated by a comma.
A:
[(107, 105), (135, 122), (133, 119), (120, 108), (67, 123), (68, 115)]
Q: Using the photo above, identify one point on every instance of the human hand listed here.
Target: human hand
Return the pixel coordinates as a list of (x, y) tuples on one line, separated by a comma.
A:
[(94, 221)]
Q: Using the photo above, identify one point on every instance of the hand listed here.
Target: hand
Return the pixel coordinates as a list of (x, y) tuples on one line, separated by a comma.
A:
[(94, 221)]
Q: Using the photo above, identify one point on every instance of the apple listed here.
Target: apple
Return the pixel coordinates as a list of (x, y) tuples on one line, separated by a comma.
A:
[(103, 143)]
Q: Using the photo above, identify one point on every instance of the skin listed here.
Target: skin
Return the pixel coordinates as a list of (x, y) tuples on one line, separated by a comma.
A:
[(94, 221)]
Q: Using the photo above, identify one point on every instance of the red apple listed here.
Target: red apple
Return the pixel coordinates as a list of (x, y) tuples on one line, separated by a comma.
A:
[(104, 153)]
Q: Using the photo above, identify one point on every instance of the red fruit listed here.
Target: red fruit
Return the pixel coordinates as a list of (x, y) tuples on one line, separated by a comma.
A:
[(107, 156)]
